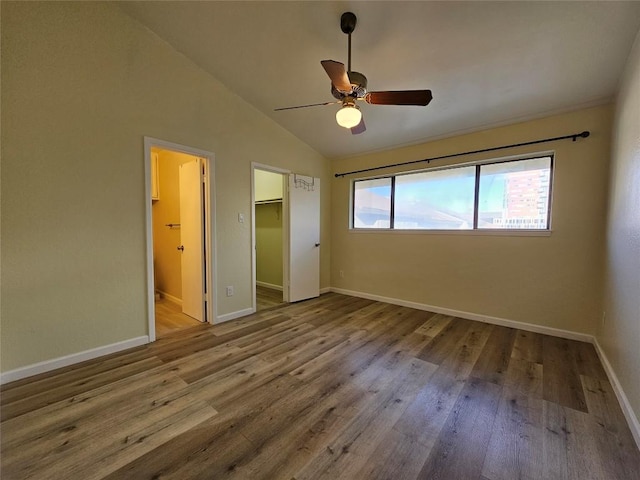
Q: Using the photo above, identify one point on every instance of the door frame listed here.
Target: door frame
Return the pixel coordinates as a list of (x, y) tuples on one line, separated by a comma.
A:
[(209, 254), (285, 230)]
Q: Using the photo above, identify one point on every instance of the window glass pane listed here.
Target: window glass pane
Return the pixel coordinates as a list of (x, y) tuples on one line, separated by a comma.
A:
[(372, 203), (515, 194), (440, 200)]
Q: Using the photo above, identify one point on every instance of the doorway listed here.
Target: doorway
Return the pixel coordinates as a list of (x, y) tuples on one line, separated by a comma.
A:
[(268, 234), (180, 252), (292, 208)]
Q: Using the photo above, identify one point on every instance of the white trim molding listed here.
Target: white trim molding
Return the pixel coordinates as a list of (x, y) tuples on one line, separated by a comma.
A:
[(529, 327), (269, 285), (65, 361), (629, 414), (233, 315), (171, 298)]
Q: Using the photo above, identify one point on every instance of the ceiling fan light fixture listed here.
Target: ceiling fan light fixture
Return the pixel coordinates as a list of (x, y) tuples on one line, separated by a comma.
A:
[(349, 116), (349, 86)]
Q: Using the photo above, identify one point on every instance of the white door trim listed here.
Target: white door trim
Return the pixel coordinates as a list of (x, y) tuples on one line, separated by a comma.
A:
[(285, 230), (209, 227)]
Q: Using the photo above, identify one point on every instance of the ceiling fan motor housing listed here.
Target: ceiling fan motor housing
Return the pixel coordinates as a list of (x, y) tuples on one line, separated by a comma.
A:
[(358, 84)]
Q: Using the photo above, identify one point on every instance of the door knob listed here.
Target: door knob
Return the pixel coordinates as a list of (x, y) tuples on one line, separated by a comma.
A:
[(181, 248), (317, 244)]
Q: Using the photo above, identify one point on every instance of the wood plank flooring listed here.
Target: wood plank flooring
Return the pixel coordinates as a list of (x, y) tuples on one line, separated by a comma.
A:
[(332, 388), (267, 298), (169, 318)]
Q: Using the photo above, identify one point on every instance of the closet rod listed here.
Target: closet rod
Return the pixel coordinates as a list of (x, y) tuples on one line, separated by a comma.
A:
[(573, 136)]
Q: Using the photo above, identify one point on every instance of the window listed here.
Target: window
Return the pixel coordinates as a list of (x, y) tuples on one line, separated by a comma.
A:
[(372, 203), (436, 200), (515, 194), (511, 194)]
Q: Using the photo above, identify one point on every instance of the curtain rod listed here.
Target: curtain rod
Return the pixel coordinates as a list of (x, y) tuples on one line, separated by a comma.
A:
[(573, 136)]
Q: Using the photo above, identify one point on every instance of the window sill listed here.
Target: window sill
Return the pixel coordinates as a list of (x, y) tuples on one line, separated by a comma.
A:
[(484, 232)]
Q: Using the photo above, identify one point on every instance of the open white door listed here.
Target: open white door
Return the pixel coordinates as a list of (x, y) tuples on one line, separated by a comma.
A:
[(304, 246), (191, 239)]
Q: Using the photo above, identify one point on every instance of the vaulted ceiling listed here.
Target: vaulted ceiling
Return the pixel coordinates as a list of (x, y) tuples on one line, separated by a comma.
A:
[(487, 63)]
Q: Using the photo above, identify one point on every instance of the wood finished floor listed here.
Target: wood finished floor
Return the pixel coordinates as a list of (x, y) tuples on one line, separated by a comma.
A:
[(169, 318), (267, 298), (333, 388)]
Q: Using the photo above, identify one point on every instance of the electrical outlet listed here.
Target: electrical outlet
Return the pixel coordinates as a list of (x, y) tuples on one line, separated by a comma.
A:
[(240, 218), (341, 273), (229, 291)]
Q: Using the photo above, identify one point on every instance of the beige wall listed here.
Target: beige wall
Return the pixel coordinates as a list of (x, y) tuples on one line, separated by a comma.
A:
[(269, 243), (620, 333), (166, 210), (553, 281), (82, 83)]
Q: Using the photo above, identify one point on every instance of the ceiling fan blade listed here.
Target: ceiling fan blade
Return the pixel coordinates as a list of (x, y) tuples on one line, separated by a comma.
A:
[(305, 106), (337, 74), (360, 128), (403, 97)]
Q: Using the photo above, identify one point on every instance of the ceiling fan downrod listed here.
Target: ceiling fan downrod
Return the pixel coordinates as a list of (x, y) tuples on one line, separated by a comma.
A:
[(348, 22)]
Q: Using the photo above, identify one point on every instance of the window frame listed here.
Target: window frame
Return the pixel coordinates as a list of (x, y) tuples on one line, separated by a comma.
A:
[(476, 197)]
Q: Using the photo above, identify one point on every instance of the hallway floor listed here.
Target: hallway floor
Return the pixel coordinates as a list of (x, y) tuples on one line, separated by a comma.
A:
[(169, 318)]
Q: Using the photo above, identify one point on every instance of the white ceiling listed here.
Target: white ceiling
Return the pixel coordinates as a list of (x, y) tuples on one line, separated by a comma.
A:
[(487, 63)]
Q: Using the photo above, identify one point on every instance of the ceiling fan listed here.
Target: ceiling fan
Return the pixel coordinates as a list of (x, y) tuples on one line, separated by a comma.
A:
[(348, 87)]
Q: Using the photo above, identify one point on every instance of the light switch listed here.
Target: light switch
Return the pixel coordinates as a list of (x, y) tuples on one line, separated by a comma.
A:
[(240, 218)]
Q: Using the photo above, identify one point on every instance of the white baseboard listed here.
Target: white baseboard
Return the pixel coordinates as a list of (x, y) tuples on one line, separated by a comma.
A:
[(169, 297), (279, 288), (530, 327), (48, 365), (629, 414), (233, 315), (269, 285)]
